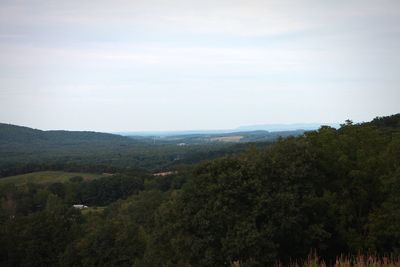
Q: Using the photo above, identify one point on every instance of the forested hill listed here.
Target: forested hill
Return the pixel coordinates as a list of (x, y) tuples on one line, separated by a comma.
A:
[(24, 150), (332, 191), (18, 134), (388, 122), (335, 191)]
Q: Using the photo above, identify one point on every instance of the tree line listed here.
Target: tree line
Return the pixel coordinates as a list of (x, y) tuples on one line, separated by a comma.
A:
[(334, 191)]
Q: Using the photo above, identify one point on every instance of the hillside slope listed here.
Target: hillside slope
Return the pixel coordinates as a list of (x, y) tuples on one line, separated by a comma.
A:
[(24, 150), (19, 134)]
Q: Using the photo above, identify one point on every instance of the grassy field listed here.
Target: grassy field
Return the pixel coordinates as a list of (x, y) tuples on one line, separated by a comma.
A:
[(46, 177), (92, 210)]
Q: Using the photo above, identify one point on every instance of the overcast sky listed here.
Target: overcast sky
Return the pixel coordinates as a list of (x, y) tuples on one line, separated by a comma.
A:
[(177, 65)]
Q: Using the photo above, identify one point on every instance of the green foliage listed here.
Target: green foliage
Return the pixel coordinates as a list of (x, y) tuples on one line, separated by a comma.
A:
[(38, 239), (25, 150), (111, 243), (40, 228), (44, 177), (331, 191), (76, 179), (101, 192)]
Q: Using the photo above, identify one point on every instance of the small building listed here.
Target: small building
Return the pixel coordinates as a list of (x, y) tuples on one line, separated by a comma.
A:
[(165, 173), (80, 206)]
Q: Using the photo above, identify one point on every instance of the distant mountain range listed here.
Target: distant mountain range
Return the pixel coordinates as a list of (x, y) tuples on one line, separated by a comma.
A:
[(21, 146), (241, 129), (24, 149), (19, 138), (286, 127)]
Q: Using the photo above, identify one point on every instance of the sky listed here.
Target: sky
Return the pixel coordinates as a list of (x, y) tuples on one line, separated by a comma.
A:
[(153, 65)]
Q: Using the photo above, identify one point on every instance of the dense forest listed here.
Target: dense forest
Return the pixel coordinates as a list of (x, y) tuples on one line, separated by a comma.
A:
[(24, 150), (331, 191)]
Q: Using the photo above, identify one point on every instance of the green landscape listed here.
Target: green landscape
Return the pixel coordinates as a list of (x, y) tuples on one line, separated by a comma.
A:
[(46, 177), (187, 133), (330, 193)]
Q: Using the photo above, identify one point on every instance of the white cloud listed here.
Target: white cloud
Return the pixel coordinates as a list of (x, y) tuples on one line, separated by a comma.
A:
[(283, 60)]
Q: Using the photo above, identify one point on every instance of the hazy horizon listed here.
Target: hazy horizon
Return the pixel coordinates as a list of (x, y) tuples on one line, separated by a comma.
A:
[(121, 65), (276, 127)]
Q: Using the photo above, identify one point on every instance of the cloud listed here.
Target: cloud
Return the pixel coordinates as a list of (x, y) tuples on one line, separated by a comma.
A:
[(251, 59)]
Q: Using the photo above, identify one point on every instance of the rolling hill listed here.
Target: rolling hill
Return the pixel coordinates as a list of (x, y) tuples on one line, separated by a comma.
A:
[(25, 150), (46, 177)]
